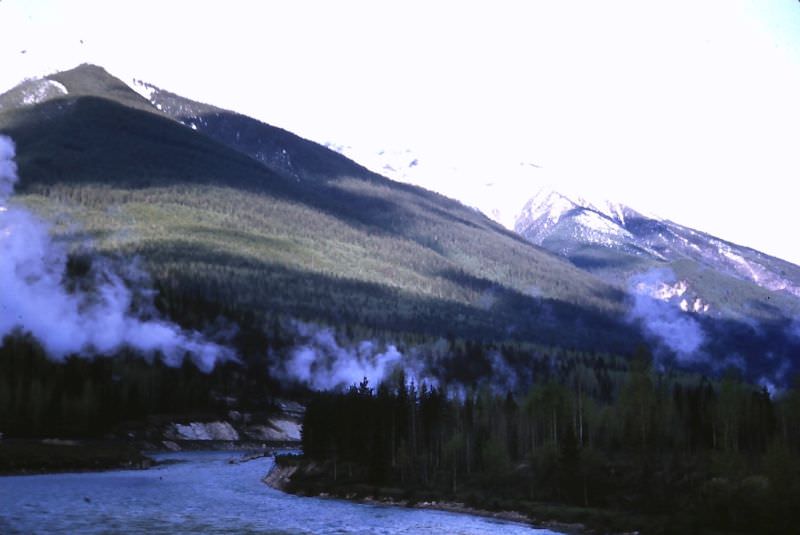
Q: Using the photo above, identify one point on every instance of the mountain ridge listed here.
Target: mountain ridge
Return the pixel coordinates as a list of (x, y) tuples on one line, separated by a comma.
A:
[(577, 229), (262, 225), (109, 159)]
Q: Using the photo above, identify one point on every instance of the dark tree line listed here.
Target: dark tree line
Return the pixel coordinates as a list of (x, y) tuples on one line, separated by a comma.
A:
[(692, 453), (91, 397)]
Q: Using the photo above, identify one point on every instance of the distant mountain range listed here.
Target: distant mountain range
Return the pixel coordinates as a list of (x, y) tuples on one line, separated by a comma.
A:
[(268, 223)]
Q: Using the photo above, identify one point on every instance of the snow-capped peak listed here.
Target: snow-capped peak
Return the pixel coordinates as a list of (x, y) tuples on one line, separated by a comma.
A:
[(547, 206), (600, 221), (552, 205), (613, 210)]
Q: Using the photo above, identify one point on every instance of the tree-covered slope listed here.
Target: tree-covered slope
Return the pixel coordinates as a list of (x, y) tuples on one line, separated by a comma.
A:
[(275, 147), (330, 242)]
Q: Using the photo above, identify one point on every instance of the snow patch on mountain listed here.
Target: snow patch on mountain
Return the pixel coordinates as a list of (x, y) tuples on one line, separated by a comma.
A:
[(33, 91), (740, 264), (598, 223), (144, 89), (612, 210), (663, 291), (697, 306), (671, 291), (43, 90), (547, 208), (653, 293), (757, 273), (186, 112)]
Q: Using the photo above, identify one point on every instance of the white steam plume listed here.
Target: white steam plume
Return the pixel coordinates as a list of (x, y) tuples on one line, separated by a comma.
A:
[(8, 170), (504, 378), (321, 363), (657, 309), (96, 319)]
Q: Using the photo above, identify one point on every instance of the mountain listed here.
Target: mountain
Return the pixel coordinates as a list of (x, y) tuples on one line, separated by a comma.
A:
[(236, 217), (616, 242), (277, 149), (746, 302)]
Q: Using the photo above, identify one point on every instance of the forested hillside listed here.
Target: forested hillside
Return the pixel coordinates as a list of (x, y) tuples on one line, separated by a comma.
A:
[(335, 244), (249, 238)]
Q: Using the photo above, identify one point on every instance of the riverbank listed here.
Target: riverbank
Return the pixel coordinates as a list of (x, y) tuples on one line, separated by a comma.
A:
[(126, 447), (556, 518), (508, 516), (59, 455), (206, 492), (29, 456)]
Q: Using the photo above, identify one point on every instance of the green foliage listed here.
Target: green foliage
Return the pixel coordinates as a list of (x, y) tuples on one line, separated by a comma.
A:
[(494, 451), (83, 398)]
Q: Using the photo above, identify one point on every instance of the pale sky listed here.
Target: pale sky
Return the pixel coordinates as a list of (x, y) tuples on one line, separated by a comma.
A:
[(687, 109)]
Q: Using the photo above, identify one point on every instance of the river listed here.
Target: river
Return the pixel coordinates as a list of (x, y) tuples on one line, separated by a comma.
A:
[(203, 493)]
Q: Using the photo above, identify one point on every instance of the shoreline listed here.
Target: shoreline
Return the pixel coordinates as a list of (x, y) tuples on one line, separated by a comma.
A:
[(30, 457), (279, 477)]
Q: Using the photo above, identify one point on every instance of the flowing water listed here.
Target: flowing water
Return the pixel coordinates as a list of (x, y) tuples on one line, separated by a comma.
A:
[(204, 493)]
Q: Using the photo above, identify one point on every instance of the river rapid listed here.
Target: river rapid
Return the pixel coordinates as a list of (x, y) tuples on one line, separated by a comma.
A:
[(202, 492)]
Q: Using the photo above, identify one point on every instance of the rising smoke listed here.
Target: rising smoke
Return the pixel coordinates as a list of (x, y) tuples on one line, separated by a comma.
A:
[(662, 320), (100, 316)]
